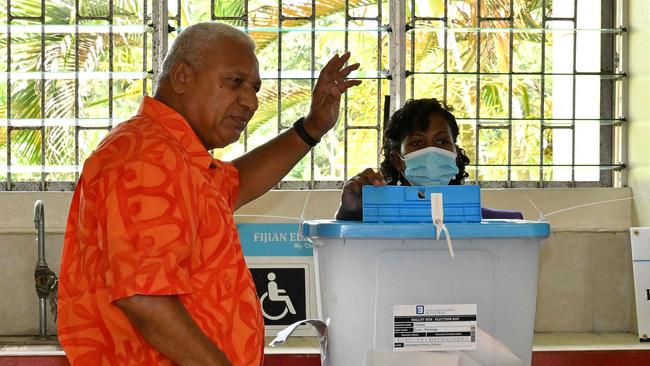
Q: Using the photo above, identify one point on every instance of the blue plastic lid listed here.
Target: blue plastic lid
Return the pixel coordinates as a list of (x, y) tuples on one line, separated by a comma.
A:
[(484, 229)]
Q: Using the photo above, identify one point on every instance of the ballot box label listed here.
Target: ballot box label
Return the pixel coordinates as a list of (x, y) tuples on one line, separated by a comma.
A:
[(445, 327)]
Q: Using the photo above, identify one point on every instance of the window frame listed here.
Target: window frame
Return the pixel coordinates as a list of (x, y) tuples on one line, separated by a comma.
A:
[(612, 97)]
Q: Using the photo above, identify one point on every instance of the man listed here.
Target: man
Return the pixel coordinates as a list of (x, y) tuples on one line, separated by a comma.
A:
[(152, 269)]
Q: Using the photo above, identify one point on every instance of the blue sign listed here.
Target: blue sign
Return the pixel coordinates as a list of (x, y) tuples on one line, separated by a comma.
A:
[(273, 240)]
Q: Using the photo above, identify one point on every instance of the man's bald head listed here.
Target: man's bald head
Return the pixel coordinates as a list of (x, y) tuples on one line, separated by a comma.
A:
[(196, 43)]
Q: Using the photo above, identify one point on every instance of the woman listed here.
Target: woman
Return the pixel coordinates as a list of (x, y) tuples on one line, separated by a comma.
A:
[(419, 149)]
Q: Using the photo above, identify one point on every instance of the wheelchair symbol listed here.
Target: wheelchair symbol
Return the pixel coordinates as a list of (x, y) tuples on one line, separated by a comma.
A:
[(275, 294)]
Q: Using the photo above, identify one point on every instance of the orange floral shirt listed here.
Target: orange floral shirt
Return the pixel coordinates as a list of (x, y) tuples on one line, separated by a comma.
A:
[(153, 215)]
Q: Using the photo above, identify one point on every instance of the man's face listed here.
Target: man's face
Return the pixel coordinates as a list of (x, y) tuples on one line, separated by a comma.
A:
[(222, 97)]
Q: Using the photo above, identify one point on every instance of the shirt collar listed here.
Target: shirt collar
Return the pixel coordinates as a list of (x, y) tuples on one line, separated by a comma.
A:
[(179, 128)]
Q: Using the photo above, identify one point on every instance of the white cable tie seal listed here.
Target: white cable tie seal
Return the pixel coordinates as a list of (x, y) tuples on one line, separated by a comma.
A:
[(448, 237), (437, 217)]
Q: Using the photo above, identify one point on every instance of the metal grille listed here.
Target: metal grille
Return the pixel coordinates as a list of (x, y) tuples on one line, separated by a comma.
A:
[(71, 75), (532, 82), (294, 41), (71, 70)]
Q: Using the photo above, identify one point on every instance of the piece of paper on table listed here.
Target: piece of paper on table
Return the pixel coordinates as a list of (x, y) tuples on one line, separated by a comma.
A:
[(321, 329)]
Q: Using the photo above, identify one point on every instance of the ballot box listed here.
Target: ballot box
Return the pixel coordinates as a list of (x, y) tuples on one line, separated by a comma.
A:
[(392, 291)]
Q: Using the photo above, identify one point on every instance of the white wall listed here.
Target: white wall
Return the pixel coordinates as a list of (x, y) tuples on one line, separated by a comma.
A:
[(585, 272), (639, 111)]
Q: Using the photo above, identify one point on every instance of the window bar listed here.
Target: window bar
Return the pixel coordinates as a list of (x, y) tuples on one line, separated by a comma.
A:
[(110, 63), (279, 85), (42, 98), (346, 126), (9, 19), (160, 30), (573, 106), (379, 112), (620, 94), (607, 100), (542, 126), (478, 93), (505, 121), (600, 166), (177, 18), (411, 25), (445, 59), (312, 20), (243, 19), (397, 55), (245, 16), (76, 88), (145, 20), (510, 68), (603, 75), (213, 16)]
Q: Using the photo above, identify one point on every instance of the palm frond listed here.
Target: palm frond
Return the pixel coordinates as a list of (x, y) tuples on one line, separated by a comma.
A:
[(268, 16)]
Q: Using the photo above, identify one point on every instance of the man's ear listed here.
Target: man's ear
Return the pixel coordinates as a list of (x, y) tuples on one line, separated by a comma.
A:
[(397, 161), (181, 77)]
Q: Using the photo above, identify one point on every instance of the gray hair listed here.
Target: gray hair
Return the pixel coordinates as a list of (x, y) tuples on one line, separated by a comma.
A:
[(191, 43)]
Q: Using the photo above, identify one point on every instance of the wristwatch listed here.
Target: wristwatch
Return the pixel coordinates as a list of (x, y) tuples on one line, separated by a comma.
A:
[(300, 130)]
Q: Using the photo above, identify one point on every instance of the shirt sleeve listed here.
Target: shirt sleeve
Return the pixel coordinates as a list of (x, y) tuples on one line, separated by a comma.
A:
[(147, 228)]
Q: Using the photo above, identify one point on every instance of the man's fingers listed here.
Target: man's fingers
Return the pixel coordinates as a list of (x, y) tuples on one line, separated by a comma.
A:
[(334, 65), (331, 64), (346, 71), (342, 60), (347, 85)]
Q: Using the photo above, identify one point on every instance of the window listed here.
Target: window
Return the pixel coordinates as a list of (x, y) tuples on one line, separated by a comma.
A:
[(532, 83), (71, 69), (536, 84)]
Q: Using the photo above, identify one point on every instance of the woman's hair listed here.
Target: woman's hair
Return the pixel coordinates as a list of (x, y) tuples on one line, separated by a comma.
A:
[(414, 115)]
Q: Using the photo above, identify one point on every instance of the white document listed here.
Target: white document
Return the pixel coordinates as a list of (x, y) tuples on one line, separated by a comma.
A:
[(444, 327)]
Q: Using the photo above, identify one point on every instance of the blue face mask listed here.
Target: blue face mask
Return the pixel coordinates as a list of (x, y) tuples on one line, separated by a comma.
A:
[(430, 166)]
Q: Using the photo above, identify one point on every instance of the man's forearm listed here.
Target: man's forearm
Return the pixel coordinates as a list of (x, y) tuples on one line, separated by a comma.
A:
[(165, 323)]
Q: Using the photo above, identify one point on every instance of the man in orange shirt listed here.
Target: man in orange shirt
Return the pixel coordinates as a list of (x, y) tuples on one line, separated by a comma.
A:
[(152, 269)]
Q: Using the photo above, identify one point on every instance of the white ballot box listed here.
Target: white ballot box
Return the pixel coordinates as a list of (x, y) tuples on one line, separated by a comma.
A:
[(392, 287)]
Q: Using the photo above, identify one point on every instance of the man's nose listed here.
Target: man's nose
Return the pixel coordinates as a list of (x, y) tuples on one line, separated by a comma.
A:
[(249, 100)]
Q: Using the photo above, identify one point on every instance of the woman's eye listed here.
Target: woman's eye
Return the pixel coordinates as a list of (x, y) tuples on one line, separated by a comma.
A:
[(416, 142)]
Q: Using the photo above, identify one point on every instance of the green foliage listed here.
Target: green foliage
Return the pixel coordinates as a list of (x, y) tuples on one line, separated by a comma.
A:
[(61, 55), (488, 96)]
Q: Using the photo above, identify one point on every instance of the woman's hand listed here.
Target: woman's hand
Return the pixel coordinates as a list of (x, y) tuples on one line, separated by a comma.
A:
[(351, 205)]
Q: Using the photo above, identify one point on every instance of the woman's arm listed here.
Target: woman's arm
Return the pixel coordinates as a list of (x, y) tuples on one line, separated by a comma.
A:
[(351, 208)]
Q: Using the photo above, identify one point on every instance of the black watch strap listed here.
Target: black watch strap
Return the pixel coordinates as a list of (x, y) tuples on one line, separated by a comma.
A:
[(300, 130)]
